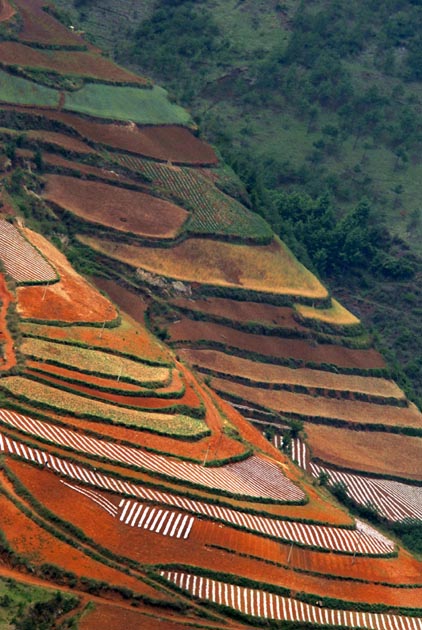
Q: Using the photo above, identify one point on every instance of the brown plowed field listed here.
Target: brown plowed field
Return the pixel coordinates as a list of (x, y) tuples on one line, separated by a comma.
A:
[(57, 160), (116, 618), (6, 10), (142, 546), (273, 374), (381, 453), (268, 268), (70, 143), (299, 349), (244, 312), (128, 338), (114, 207), (8, 360), (39, 546), (168, 142), (352, 411), (77, 63), (42, 28), (72, 299)]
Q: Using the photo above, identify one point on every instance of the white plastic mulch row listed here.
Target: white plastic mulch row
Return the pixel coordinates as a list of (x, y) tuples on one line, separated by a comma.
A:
[(158, 520), (394, 500), (22, 261), (362, 540), (254, 477), (267, 605)]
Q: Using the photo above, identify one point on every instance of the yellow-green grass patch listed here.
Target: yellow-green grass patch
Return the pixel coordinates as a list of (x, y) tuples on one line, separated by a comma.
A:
[(95, 362), (128, 338), (266, 268), (41, 395), (274, 374), (336, 315), (20, 91)]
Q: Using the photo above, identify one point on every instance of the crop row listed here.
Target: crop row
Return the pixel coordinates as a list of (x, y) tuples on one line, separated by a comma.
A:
[(364, 540), (257, 603), (22, 261), (213, 212), (253, 477)]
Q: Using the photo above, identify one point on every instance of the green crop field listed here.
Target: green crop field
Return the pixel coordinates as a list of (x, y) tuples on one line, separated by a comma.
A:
[(144, 106), (213, 212), (14, 89)]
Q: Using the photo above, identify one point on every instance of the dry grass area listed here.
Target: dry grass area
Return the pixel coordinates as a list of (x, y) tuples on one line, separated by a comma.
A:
[(380, 453), (72, 299), (267, 268), (272, 374), (336, 315), (115, 207), (351, 411)]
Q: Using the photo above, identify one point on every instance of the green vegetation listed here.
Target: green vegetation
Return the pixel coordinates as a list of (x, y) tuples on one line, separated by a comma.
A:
[(213, 212), (144, 106), (20, 91), (28, 607)]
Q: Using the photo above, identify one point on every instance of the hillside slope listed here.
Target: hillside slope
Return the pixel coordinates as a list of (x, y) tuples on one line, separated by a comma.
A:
[(127, 483)]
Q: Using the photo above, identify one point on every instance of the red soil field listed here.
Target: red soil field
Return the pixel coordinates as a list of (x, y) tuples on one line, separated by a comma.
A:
[(77, 63), (112, 617), (298, 349), (8, 360), (244, 312), (39, 546), (6, 10), (380, 453), (169, 142), (352, 411), (118, 208), (128, 338), (72, 299), (40, 27), (257, 373), (142, 546), (70, 143)]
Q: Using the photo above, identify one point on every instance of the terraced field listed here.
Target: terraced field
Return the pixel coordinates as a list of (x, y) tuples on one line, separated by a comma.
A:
[(120, 209), (125, 479)]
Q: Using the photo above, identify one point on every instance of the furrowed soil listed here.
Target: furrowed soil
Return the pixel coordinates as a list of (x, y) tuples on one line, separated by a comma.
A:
[(223, 363), (167, 143), (301, 350), (70, 143), (72, 299), (117, 208), (73, 507), (39, 546), (380, 453), (77, 63), (268, 268), (54, 160), (114, 618), (350, 411)]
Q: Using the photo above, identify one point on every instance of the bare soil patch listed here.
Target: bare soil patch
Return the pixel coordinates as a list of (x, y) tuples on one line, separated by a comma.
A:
[(6, 10), (166, 142), (299, 349), (373, 452), (42, 28), (72, 299), (118, 208), (77, 63), (70, 143)]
